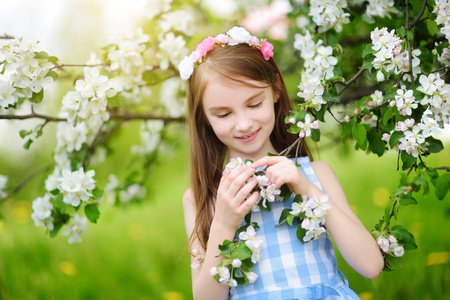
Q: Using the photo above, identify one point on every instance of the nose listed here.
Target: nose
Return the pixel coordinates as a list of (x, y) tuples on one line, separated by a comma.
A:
[(243, 123)]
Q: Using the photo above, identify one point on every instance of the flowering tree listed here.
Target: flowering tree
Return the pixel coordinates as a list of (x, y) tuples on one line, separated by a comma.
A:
[(386, 86)]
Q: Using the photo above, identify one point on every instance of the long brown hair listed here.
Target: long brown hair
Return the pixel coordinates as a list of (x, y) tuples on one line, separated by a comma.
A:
[(207, 152)]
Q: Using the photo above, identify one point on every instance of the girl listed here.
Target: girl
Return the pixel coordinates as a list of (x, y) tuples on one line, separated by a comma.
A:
[(237, 104)]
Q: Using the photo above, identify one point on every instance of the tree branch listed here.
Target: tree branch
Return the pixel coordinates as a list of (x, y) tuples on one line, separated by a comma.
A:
[(6, 37), (351, 80), (409, 44), (419, 15)]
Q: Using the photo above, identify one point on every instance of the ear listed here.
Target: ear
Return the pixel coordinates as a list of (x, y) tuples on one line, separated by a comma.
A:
[(276, 97)]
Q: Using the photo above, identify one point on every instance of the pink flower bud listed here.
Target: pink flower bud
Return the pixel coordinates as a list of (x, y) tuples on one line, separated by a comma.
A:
[(346, 119), (213, 271), (301, 134), (315, 124), (357, 111), (236, 263), (409, 122), (403, 112), (386, 137), (408, 188), (366, 117), (292, 120), (392, 103), (369, 103), (195, 251), (392, 239)]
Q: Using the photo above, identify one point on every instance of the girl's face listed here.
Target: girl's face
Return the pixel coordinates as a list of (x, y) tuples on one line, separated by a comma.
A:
[(241, 115)]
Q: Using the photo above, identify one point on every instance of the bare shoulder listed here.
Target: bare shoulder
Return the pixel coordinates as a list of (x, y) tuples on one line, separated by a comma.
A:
[(188, 198), (322, 168)]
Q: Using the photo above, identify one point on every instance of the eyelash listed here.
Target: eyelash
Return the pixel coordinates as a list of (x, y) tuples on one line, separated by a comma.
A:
[(251, 106)]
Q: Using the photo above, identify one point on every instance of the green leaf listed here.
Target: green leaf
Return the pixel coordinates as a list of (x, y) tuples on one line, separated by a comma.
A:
[(330, 94), (52, 74), (376, 144), (53, 59), (407, 200), (404, 237), (24, 133), (41, 55), (431, 26), (408, 160), (410, 36), (300, 233), (388, 114), (401, 32), (97, 192), (367, 63), (434, 145), (394, 262), (315, 135), (359, 133), (92, 212), (59, 203), (117, 101), (395, 138), (387, 214), (284, 214), (442, 186), (368, 50), (37, 97), (242, 252), (27, 144), (55, 192), (290, 219)]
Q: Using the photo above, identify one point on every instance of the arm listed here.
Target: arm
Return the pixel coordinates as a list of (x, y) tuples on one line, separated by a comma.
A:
[(355, 243), (231, 208)]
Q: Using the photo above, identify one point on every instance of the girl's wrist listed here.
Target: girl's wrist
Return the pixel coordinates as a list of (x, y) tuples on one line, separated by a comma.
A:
[(309, 189), (221, 230)]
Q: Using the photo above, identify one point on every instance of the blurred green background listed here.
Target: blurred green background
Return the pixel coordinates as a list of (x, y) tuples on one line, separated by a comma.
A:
[(139, 251)]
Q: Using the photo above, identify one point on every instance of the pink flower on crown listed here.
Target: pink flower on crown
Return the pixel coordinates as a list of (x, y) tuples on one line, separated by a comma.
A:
[(196, 55), (254, 41), (222, 39), (206, 45), (266, 49)]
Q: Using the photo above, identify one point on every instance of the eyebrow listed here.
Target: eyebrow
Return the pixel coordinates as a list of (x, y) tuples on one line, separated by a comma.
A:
[(256, 95)]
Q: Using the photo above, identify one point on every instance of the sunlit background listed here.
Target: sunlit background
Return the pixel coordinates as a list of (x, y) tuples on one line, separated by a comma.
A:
[(139, 251)]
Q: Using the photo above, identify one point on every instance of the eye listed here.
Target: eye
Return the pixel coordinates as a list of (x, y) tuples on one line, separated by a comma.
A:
[(256, 105), (223, 115)]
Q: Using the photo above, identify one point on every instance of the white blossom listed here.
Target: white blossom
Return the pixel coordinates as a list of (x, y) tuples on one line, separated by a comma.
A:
[(42, 209), (75, 230), (155, 7), (76, 186)]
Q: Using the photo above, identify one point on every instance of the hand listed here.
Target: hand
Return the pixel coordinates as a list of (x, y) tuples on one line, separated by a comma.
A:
[(282, 170), (233, 201)]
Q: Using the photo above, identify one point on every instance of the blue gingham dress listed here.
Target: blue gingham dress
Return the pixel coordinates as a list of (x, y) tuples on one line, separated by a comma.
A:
[(289, 269)]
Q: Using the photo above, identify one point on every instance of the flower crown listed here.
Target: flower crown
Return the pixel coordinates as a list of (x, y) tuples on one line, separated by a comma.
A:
[(234, 36)]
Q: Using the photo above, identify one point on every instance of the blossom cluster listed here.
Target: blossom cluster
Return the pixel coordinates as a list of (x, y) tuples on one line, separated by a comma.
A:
[(73, 187), (319, 64), (76, 229), (312, 211), (124, 193), (436, 103), (150, 137), (225, 272), (390, 55), (76, 186), (88, 103), (173, 97), (156, 7), (28, 68), (267, 190), (389, 245), (234, 36), (329, 14), (126, 58), (442, 11), (379, 8), (305, 126)]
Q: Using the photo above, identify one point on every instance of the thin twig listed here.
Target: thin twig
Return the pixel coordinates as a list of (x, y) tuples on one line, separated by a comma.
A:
[(409, 45), (442, 168), (6, 37), (392, 213), (329, 110), (79, 65), (351, 81), (286, 151), (419, 15)]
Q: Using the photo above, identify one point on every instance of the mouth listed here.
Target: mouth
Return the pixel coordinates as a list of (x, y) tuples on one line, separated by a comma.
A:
[(248, 137)]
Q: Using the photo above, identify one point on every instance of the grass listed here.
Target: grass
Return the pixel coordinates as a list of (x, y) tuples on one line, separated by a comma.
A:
[(138, 252)]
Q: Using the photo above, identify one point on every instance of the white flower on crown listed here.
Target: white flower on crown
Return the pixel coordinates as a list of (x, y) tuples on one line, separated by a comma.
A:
[(238, 35)]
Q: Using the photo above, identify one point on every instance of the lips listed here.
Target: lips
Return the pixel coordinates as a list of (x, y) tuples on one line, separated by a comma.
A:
[(248, 137)]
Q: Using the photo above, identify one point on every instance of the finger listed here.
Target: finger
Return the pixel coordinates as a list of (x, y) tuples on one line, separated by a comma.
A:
[(245, 191), (229, 177), (247, 205), (240, 180), (267, 161)]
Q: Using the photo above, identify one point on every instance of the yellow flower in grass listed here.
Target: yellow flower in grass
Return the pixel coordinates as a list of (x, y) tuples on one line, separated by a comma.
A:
[(366, 295), (68, 268), (173, 296), (437, 258), (21, 212), (380, 196)]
